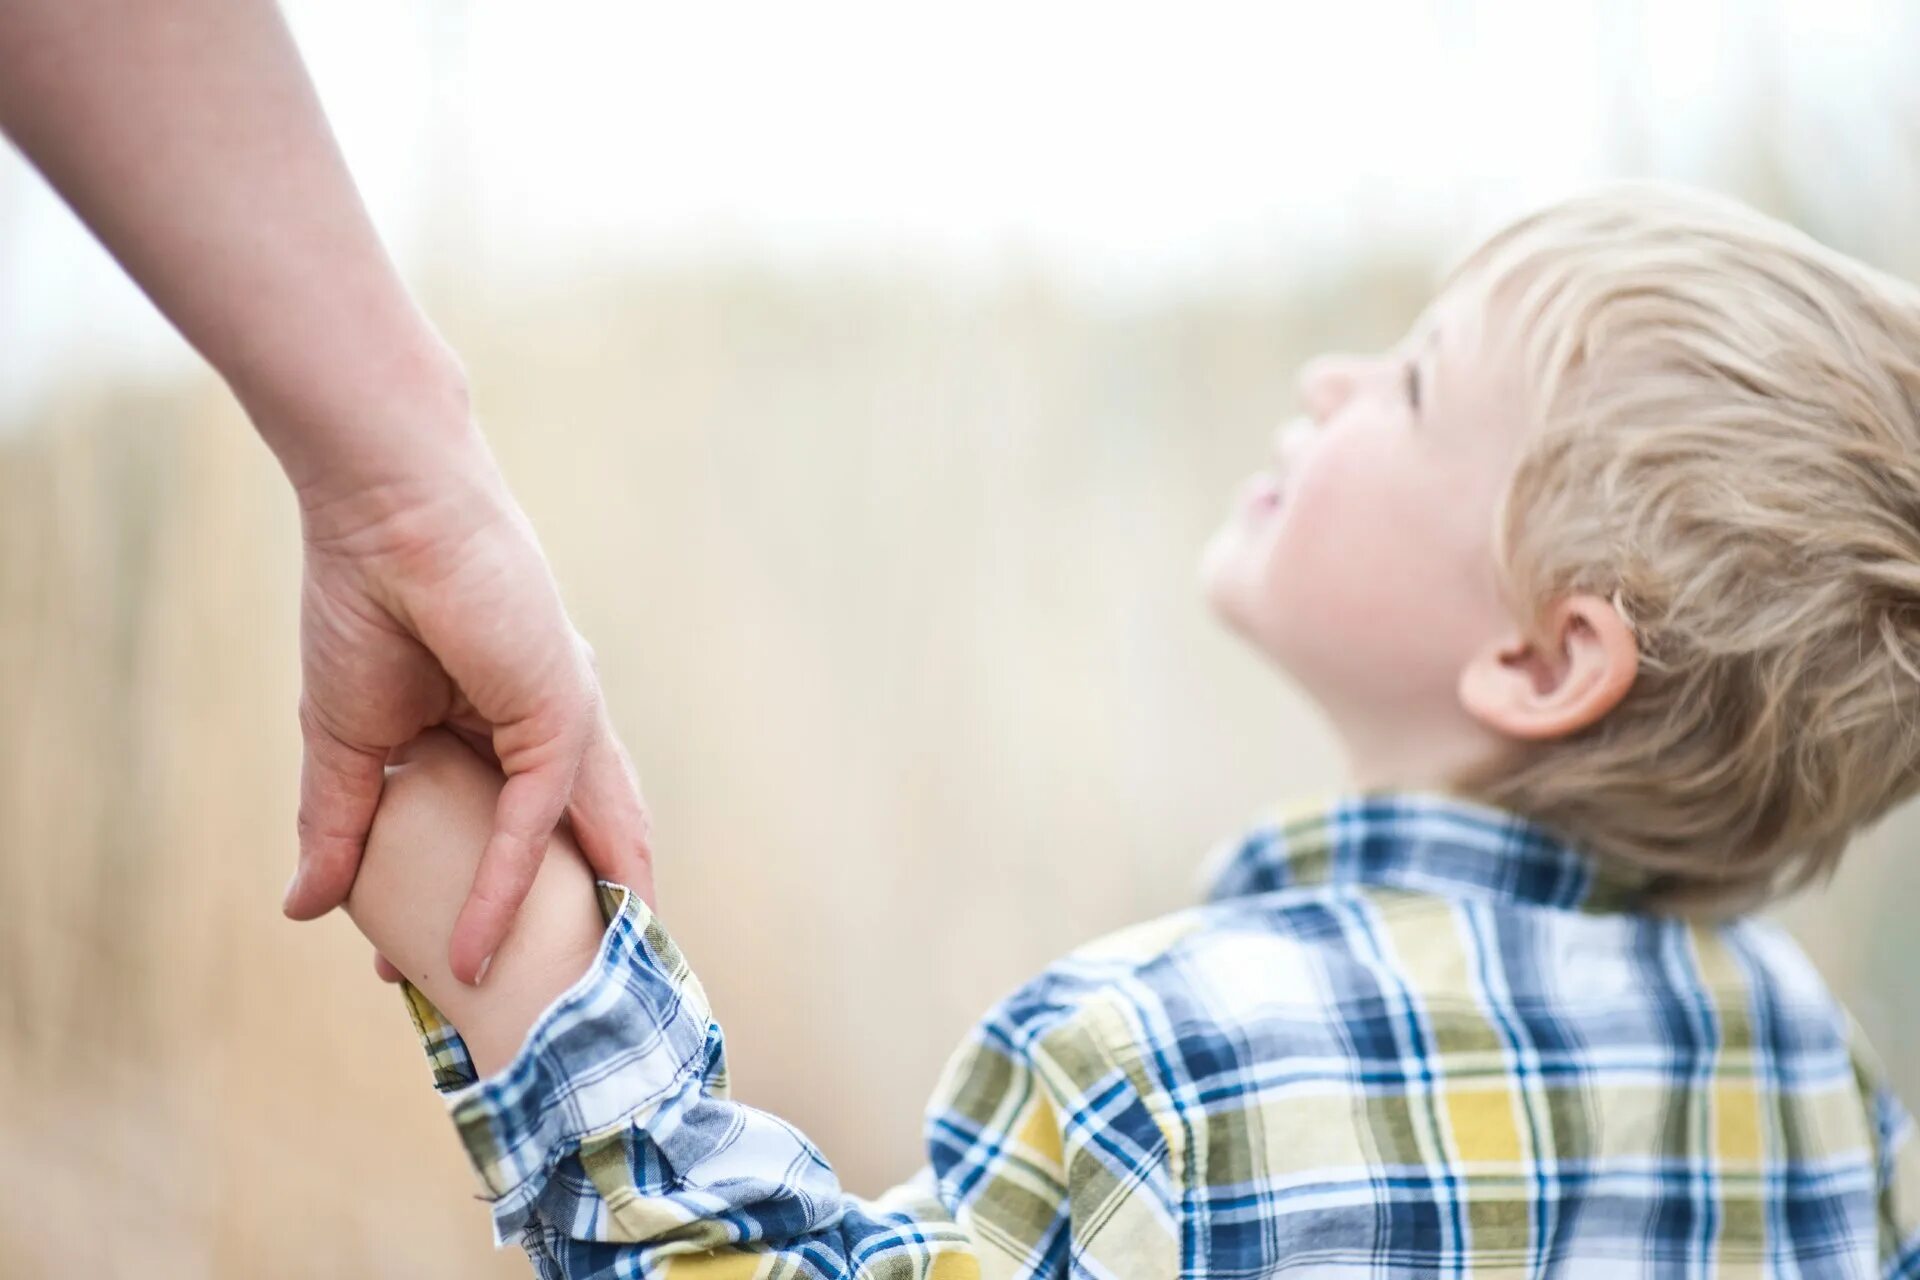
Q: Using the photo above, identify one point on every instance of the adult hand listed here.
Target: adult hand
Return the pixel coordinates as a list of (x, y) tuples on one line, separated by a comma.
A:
[(426, 601), (189, 137)]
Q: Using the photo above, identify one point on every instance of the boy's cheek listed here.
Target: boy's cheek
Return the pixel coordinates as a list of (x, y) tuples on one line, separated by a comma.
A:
[(1338, 598), (1324, 586)]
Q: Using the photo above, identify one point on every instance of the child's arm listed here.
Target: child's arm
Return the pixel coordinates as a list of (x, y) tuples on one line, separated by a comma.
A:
[(608, 1144), (436, 813)]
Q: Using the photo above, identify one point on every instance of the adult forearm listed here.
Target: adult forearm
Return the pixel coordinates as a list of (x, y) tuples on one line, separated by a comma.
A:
[(188, 136)]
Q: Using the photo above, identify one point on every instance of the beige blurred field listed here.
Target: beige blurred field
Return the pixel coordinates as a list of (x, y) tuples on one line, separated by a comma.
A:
[(892, 584)]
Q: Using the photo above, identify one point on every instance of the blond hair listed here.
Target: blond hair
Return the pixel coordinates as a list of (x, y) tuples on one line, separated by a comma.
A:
[(1727, 444)]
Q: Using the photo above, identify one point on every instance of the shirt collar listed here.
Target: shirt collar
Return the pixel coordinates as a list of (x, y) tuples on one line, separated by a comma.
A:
[(1425, 842)]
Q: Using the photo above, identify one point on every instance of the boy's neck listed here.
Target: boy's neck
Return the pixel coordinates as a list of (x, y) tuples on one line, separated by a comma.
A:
[(1412, 753)]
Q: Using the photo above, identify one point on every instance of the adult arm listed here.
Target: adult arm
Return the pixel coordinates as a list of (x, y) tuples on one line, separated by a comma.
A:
[(188, 136)]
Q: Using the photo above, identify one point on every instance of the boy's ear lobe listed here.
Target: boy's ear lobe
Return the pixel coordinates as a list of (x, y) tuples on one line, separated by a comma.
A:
[(1523, 690)]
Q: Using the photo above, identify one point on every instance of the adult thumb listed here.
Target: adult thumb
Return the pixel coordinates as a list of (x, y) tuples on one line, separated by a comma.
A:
[(339, 790)]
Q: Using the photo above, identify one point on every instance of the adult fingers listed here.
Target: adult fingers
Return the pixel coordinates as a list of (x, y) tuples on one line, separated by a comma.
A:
[(609, 815), (477, 734), (529, 807), (339, 790), (384, 968)]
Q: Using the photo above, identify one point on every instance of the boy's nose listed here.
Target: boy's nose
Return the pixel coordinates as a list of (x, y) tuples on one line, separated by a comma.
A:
[(1325, 384)]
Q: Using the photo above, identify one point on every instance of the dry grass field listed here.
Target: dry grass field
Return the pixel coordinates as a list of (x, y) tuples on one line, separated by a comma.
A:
[(892, 584)]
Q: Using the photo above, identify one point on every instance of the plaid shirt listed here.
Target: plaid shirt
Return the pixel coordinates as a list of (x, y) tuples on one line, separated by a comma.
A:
[(1405, 1036)]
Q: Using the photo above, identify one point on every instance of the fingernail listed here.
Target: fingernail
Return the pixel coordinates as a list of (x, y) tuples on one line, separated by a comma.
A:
[(480, 974), (293, 888)]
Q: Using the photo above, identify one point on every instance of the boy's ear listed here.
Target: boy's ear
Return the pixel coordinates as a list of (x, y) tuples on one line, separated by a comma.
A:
[(1520, 690)]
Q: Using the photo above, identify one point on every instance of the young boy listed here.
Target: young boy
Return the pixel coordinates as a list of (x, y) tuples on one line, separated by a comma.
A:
[(1609, 579)]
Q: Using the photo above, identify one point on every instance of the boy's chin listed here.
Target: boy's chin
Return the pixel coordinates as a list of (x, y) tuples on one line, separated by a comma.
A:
[(1220, 592), (1229, 584), (1228, 601), (1249, 618), (1220, 575)]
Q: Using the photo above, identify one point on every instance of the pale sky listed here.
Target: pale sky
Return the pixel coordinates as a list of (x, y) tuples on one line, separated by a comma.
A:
[(1129, 147)]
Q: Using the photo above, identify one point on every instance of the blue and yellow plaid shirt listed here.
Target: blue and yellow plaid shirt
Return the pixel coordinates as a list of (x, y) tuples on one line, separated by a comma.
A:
[(1405, 1036)]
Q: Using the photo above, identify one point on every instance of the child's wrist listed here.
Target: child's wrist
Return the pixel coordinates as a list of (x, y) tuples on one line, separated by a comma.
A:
[(554, 942), (505, 1008), (435, 816)]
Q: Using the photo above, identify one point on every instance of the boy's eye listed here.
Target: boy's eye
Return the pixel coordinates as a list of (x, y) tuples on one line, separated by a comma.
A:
[(1413, 383)]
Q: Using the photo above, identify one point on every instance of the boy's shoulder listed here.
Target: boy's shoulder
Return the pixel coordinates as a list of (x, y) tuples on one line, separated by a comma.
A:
[(1371, 930), (1370, 973), (1444, 1000), (1150, 996)]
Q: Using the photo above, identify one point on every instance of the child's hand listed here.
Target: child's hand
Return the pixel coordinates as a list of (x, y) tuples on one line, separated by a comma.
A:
[(427, 837), (427, 601)]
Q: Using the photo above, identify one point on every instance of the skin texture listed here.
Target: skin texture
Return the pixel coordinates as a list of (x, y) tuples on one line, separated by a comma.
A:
[(1361, 562), (432, 825), (188, 137)]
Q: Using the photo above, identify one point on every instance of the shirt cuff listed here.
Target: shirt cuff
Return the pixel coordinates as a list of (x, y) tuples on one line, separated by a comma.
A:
[(631, 1034)]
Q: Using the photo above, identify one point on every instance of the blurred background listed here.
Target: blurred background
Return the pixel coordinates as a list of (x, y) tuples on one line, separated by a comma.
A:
[(873, 374)]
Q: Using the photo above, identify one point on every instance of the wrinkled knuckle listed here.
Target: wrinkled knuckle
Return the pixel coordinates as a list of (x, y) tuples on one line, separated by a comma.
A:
[(575, 722), (308, 715), (307, 827), (317, 728), (315, 822), (324, 845)]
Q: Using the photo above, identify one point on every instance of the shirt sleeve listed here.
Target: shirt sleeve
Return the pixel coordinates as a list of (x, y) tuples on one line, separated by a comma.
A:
[(1897, 1163), (610, 1146)]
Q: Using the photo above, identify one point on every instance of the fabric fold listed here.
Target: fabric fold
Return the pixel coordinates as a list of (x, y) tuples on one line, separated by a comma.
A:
[(632, 1034)]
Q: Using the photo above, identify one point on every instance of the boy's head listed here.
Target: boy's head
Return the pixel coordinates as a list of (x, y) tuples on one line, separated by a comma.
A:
[(1624, 536)]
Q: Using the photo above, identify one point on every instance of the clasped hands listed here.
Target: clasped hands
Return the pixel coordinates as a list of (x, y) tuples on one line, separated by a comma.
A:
[(426, 601)]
